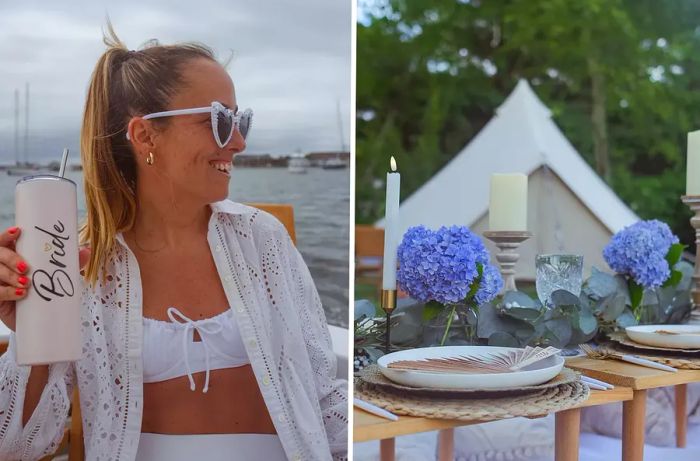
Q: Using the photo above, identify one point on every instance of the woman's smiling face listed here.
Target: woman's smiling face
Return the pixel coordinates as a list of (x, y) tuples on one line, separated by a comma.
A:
[(184, 148)]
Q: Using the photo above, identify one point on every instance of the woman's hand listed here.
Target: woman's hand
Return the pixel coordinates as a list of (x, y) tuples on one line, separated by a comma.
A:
[(14, 275)]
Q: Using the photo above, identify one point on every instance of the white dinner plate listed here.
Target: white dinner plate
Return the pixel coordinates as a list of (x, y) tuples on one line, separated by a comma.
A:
[(683, 339), (532, 375)]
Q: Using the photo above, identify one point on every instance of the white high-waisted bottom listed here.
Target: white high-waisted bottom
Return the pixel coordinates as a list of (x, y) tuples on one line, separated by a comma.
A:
[(212, 447)]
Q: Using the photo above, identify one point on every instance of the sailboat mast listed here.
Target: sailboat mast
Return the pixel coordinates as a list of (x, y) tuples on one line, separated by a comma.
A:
[(17, 126), (26, 124)]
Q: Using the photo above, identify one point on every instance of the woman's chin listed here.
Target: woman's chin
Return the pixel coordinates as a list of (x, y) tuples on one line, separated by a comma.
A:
[(219, 197)]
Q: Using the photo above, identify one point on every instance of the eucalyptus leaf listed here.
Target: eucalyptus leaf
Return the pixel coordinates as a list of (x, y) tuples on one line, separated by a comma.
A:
[(577, 337), (583, 301), (490, 322), (407, 323), (612, 307), (364, 308), (564, 298), (522, 313), (525, 334), (600, 285), (587, 323), (623, 288), (557, 337), (374, 353), (561, 329), (626, 319), (503, 339), (514, 299)]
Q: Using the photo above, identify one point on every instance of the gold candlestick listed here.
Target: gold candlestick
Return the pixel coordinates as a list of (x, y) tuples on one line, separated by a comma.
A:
[(507, 257), (388, 305), (693, 202)]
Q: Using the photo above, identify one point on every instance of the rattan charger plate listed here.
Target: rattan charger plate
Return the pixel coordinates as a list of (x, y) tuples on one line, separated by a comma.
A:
[(672, 359), (536, 404), (622, 338), (373, 375)]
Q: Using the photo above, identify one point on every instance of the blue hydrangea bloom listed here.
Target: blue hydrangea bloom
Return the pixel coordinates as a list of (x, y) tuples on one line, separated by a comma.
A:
[(491, 284), (442, 265), (640, 251)]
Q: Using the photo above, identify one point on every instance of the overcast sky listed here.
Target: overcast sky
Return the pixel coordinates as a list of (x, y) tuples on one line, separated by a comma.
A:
[(291, 64)]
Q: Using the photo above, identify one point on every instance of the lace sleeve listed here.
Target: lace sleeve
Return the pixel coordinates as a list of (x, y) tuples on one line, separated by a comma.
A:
[(332, 392), (43, 432)]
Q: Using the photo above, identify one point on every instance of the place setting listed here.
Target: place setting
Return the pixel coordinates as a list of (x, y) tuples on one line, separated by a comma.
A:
[(670, 347), (471, 382)]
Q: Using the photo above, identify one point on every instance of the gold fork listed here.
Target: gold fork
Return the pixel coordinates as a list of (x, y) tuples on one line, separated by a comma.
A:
[(600, 353)]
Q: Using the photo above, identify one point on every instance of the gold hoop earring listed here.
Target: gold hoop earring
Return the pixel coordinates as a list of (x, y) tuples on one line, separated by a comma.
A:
[(149, 159)]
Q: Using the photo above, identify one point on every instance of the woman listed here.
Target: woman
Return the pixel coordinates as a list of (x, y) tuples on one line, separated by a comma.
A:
[(203, 333)]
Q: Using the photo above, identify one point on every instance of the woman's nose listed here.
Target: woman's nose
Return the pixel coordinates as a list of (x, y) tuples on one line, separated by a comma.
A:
[(237, 143)]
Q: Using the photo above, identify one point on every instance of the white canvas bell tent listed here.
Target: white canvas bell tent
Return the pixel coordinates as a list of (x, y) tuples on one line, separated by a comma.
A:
[(570, 208)]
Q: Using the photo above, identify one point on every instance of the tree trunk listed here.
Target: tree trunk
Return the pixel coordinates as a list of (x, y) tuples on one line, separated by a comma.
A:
[(599, 121)]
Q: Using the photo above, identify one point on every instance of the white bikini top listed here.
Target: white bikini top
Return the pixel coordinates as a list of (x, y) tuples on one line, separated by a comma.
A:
[(169, 349)]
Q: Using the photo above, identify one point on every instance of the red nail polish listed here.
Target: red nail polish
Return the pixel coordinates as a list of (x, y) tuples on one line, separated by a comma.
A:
[(23, 280), (19, 292), (13, 230), (21, 266)]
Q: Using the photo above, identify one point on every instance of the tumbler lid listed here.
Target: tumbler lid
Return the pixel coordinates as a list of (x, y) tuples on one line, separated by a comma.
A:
[(45, 176)]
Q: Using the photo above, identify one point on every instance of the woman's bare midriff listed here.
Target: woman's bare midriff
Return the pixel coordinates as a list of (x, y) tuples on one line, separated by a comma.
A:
[(232, 405)]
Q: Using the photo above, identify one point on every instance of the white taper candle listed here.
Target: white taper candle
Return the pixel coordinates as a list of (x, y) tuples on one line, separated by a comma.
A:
[(391, 227)]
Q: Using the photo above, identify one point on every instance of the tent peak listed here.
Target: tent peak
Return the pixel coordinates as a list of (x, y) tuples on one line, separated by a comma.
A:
[(524, 100)]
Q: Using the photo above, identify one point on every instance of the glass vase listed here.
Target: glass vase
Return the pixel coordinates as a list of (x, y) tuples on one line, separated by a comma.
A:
[(649, 311), (455, 325)]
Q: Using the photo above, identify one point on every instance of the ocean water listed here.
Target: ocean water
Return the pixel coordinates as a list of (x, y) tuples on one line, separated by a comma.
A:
[(321, 200)]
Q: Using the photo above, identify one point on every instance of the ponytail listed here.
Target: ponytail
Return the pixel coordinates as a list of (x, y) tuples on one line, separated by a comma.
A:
[(123, 84)]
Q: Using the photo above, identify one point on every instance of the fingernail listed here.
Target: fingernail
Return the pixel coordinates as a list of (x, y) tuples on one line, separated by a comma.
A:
[(23, 280), (19, 292), (13, 230), (21, 266)]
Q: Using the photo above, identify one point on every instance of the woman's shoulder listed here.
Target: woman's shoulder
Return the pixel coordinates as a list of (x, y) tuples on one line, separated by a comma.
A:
[(257, 219)]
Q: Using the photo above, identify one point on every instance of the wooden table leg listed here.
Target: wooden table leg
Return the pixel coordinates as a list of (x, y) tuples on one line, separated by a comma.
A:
[(681, 414), (567, 427), (633, 413), (446, 445), (387, 449)]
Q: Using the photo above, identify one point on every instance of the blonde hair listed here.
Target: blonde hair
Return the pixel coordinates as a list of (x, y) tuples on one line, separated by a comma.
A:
[(124, 84)]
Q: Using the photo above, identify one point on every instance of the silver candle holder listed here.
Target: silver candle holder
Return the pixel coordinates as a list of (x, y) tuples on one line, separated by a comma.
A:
[(507, 243), (693, 202)]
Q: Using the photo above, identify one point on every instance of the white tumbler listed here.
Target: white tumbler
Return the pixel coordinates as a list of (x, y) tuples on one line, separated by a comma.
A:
[(48, 318)]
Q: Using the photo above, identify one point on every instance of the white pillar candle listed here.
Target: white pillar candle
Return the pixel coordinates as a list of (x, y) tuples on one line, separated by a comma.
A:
[(508, 204), (692, 183), (391, 227)]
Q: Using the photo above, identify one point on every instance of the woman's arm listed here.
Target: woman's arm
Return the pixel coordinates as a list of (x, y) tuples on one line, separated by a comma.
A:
[(332, 392), (34, 404)]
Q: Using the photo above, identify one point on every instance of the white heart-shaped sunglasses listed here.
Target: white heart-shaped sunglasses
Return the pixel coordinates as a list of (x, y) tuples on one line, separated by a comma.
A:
[(223, 120)]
